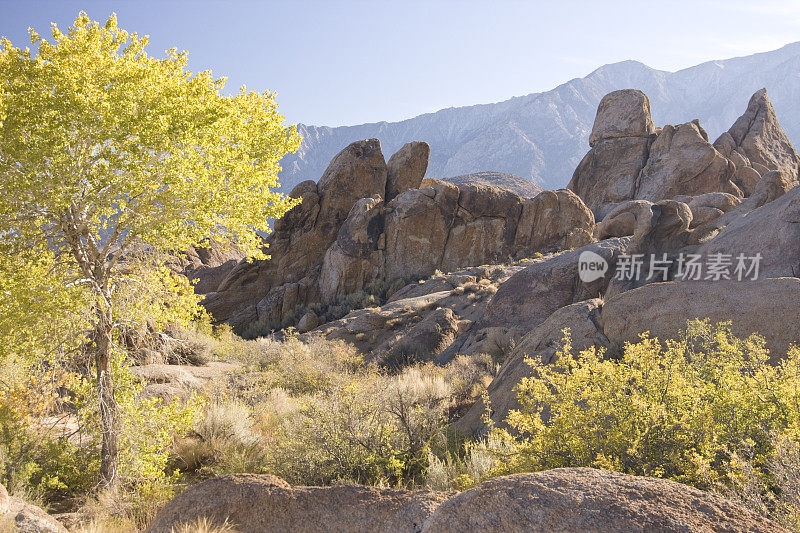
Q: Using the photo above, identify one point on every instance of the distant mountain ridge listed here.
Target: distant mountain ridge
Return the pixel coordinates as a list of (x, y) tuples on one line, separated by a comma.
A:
[(543, 136)]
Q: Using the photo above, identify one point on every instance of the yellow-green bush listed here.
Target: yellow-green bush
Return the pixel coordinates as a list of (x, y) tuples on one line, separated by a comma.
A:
[(147, 431), (677, 409)]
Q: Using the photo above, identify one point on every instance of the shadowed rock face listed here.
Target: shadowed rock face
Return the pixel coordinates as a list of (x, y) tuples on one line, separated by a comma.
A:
[(298, 244), (589, 500)]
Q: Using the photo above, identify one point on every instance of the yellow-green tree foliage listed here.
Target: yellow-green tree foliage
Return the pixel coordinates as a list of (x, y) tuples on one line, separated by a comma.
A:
[(678, 409), (110, 158)]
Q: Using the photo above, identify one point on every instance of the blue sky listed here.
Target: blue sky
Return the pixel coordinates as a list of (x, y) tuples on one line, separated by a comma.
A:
[(348, 62)]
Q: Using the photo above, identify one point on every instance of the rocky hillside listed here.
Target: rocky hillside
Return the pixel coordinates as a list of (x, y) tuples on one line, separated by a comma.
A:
[(431, 269), (542, 136)]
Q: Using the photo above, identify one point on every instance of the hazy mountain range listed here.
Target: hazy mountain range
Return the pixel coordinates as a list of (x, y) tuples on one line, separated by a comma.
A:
[(543, 136)]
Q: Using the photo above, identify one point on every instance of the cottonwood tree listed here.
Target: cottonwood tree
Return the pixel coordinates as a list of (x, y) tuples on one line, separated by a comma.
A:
[(107, 152)]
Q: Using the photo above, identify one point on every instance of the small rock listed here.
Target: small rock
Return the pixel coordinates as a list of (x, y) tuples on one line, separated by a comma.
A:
[(307, 322)]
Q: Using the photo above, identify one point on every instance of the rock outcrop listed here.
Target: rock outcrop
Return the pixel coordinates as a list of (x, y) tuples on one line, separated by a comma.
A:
[(620, 141), (529, 297), (263, 503), (588, 500), (368, 224), (422, 320), (445, 227), (771, 230), (406, 168), (271, 291), (758, 136), (622, 114), (631, 160), (681, 161)]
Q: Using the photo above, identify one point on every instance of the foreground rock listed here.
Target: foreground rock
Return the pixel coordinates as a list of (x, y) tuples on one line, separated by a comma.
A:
[(264, 503), (565, 499), (588, 500), (24, 517)]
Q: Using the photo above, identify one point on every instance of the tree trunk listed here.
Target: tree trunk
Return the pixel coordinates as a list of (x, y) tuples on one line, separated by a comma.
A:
[(109, 416)]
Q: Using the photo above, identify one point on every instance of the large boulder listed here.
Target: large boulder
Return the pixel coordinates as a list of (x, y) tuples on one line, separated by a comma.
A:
[(708, 207), (656, 244), (620, 114), (625, 218), (417, 227), (263, 503), (355, 258), (771, 230), (553, 219), (530, 296), (682, 162), (768, 307), (422, 342), (620, 140), (589, 500), (482, 229), (25, 517), (608, 172), (758, 136), (406, 168)]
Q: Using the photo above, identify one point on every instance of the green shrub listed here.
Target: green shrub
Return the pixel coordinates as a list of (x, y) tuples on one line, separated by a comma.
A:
[(678, 410), (42, 466)]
